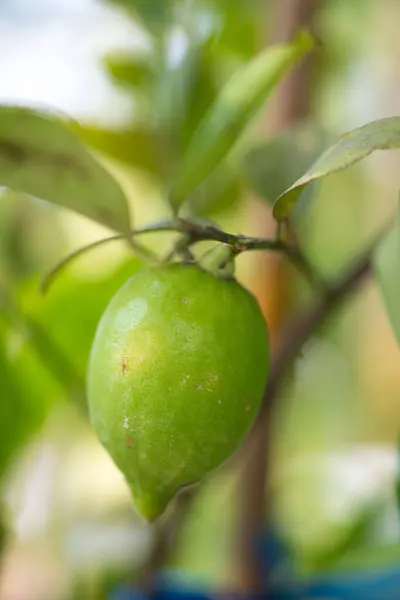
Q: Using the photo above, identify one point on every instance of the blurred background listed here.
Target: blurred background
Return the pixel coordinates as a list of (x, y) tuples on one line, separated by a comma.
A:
[(138, 75)]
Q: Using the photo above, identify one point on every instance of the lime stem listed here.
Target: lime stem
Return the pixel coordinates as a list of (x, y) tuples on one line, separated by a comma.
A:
[(194, 231)]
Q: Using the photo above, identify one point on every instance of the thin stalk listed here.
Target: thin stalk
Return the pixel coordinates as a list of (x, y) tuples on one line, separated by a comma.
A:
[(194, 232)]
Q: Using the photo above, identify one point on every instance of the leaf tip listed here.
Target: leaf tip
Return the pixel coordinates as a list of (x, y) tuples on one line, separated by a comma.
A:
[(281, 206)]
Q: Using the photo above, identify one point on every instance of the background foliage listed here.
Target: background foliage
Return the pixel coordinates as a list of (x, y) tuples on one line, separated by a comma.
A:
[(335, 437)]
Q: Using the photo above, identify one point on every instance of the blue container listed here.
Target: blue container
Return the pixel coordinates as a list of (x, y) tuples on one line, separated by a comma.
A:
[(381, 585), (126, 593), (170, 593), (271, 550)]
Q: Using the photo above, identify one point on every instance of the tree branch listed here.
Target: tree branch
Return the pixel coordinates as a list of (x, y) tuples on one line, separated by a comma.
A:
[(297, 333), (292, 102), (201, 231)]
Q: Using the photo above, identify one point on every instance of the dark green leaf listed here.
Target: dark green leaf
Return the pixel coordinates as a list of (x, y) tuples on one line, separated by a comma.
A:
[(387, 274), (153, 13), (383, 134), (39, 155), (237, 103), (183, 93)]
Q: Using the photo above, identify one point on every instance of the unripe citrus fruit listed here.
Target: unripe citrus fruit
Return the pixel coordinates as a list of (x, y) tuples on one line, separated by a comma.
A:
[(176, 376)]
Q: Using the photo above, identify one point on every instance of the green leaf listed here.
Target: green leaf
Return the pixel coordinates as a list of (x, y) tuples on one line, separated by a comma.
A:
[(27, 395), (237, 103), (43, 346), (270, 166), (11, 409), (383, 134), (239, 31), (387, 274), (128, 70), (39, 155), (183, 93)]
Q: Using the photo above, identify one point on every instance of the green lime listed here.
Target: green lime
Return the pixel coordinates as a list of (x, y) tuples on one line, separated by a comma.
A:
[(176, 376)]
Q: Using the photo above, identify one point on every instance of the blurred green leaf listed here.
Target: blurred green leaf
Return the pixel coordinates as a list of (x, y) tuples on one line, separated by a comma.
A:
[(239, 32), (43, 346), (153, 13), (14, 418), (239, 100), (220, 192), (270, 166), (55, 361), (134, 146), (130, 71), (348, 538), (70, 311), (27, 394), (387, 274), (184, 92), (383, 134), (370, 557), (40, 156)]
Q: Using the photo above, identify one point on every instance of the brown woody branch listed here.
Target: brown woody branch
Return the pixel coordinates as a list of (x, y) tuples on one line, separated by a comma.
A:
[(302, 327)]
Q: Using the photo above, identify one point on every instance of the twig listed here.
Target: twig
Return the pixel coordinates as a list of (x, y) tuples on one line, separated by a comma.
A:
[(201, 231), (194, 231), (52, 273), (3, 537)]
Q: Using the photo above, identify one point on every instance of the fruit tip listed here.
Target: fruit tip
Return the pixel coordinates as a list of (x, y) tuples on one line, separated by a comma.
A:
[(149, 506)]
